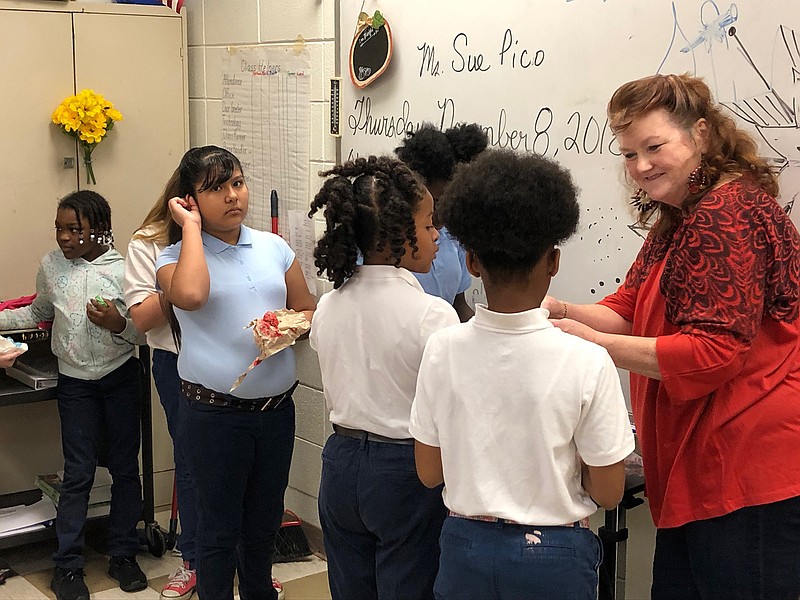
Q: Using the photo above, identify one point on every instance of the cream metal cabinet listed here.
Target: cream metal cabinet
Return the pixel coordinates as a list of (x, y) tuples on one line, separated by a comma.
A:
[(136, 57), (133, 55)]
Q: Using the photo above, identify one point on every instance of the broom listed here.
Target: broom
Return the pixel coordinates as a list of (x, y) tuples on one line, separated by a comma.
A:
[(291, 542)]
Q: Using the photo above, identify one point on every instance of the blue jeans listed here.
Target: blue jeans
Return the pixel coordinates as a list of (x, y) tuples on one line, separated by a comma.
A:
[(105, 409), (380, 524), (494, 561), (165, 375), (240, 464), (750, 554)]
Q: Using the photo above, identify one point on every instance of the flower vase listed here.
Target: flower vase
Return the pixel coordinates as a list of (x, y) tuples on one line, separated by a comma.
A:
[(87, 161)]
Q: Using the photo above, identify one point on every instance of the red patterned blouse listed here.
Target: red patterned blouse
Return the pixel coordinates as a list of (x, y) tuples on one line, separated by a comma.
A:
[(721, 293)]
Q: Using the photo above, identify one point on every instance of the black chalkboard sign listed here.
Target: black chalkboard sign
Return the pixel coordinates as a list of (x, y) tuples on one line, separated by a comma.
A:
[(370, 54)]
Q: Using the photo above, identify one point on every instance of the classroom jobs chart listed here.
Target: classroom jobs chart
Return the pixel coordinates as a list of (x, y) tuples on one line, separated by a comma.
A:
[(266, 123)]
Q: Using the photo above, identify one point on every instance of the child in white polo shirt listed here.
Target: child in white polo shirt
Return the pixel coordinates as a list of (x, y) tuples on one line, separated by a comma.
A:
[(381, 524), (525, 424)]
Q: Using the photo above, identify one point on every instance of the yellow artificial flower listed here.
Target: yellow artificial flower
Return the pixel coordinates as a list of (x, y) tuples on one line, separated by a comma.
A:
[(88, 117)]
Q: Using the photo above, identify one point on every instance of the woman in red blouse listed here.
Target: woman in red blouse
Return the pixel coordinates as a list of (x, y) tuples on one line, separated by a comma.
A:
[(706, 322)]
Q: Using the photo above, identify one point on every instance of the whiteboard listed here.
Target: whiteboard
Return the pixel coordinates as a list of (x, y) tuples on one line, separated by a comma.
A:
[(537, 75)]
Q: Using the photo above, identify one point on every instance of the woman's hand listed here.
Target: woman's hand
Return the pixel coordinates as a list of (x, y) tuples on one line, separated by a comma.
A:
[(555, 306), (630, 352), (185, 211), (105, 315), (579, 329)]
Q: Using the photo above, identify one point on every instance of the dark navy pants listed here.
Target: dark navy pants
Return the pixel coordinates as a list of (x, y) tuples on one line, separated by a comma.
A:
[(750, 554), (165, 375), (497, 561), (108, 410), (240, 465), (380, 524)]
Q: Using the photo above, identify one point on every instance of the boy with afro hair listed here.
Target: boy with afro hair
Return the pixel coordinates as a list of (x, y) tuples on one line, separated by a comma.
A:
[(525, 425)]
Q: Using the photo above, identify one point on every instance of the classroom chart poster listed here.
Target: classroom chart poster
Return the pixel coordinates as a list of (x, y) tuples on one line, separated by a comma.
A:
[(538, 75), (266, 122)]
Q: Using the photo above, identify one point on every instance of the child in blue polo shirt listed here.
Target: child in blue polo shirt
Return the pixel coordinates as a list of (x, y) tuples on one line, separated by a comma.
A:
[(433, 154), (219, 277)]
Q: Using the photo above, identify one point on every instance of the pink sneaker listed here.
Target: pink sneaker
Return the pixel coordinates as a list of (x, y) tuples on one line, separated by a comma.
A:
[(278, 588), (181, 585)]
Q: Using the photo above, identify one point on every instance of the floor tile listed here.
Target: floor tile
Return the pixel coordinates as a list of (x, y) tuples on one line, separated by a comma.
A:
[(313, 587), (117, 594), (302, 568), (305, 579), (19, 588), (158, 567)]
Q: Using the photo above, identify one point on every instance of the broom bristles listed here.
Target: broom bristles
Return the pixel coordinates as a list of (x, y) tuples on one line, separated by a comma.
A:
[(291, 542)]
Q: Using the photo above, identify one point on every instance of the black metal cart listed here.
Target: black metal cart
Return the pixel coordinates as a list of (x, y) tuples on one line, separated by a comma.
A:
[(614, 536), (12, 392)]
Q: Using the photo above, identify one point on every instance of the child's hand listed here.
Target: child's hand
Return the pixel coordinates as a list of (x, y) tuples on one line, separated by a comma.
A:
[(105, 315), (184, 211), (7, 358)]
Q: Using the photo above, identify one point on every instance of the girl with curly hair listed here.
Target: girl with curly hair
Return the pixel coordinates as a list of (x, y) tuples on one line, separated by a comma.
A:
[(434, 154), (381, 524)]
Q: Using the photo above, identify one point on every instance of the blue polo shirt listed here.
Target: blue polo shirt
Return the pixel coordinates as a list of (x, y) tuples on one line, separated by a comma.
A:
[(247, 280), (448, 275)]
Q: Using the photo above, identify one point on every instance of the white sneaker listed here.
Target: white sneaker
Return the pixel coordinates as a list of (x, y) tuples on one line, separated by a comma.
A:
[(181, 585)]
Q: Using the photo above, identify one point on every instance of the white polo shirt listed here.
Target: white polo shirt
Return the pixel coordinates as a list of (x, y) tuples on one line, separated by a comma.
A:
[(369, 335), (512, 401), (140, 282)]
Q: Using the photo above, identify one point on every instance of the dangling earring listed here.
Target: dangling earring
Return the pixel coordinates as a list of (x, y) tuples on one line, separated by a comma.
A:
[(698, 179), (106, 238), (91, 235), (642, 202), (80, 237)]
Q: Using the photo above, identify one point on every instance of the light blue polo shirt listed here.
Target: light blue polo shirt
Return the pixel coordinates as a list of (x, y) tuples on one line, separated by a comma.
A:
[(448, 275), (247, 280)]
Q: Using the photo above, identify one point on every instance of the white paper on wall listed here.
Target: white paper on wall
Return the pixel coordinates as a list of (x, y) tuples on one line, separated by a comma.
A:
[(301, 238), (266, 123)]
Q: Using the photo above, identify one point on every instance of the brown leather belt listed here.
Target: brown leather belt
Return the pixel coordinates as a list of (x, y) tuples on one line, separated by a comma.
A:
[(198, 393), (370, 437)]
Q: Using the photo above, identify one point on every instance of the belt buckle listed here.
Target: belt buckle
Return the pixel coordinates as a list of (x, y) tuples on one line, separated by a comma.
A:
[(280, 399), (268, 404)]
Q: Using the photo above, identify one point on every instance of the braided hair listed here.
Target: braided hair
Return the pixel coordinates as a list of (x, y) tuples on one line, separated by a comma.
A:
[(95, 209), (369, 206)]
